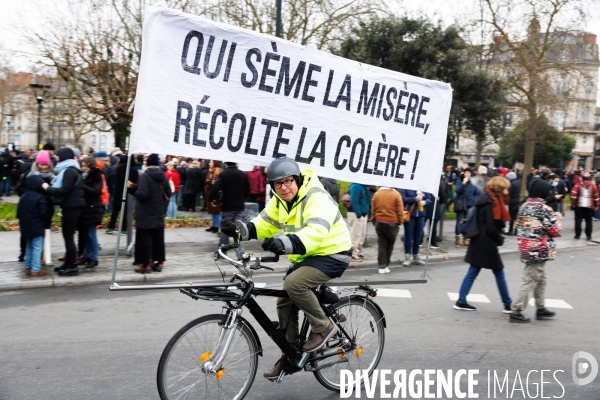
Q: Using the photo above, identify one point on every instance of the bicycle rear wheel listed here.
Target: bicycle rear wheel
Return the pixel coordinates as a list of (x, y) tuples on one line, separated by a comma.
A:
[(364, 324), (182, 370)]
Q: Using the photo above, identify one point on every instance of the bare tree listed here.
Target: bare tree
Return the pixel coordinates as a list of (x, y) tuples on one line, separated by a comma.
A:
[(95, 45), (320, 23), (533, 45)]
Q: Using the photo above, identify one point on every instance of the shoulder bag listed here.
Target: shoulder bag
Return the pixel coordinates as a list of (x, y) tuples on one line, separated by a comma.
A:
[(407, 213)]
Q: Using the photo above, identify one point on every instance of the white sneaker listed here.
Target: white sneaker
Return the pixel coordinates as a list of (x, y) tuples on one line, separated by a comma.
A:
[(407, 260), (417, 260), (385, 270)]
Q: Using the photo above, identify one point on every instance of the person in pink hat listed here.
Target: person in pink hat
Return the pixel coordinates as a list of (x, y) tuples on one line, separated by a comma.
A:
[(44, 169)]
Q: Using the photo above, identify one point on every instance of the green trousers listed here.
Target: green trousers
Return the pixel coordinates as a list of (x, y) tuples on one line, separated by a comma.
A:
[(298, 285)]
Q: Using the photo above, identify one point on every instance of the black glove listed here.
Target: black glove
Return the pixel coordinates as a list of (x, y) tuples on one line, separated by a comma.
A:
[(229, 230), (274, 245)]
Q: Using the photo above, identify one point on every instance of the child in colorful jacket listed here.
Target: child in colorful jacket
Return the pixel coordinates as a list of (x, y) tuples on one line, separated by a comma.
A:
[(536, 225)]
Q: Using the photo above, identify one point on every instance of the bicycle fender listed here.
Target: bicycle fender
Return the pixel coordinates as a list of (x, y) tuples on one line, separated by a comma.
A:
[(356, 296), (247, 324)]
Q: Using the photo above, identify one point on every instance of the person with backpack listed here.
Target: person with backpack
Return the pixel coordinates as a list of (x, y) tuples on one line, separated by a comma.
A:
[(584, 200), (360, 202), (67, 192), (492, 213), (536, 225)]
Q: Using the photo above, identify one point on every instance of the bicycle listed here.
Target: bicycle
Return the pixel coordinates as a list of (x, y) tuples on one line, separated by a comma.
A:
[(216, 356)]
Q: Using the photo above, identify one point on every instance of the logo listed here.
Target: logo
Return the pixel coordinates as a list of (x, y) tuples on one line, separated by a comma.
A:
[(583, 363)]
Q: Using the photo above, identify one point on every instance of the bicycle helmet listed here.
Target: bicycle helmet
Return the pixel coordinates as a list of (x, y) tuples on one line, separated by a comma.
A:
[(283, 167)]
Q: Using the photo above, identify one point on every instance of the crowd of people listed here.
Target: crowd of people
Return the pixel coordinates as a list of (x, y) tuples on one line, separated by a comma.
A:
[(84, 187), (498, 211), (87, 186)]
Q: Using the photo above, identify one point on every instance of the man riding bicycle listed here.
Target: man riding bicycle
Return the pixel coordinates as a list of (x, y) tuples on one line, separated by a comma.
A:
[(316, 240)]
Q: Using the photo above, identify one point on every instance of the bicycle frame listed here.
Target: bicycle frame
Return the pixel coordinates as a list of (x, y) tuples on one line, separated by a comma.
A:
[(242, 281)]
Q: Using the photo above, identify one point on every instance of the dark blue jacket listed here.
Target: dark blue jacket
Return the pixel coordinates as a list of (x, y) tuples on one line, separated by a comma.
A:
[(360, 198), (409, 197), (466, 191), (438, 209), (31, 210)]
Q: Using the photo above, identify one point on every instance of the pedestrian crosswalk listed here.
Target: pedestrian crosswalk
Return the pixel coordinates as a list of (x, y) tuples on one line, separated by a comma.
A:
[(471, 298)]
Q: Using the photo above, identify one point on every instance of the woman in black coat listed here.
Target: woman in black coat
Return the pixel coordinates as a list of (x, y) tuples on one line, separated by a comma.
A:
[(483, 248), (66, 190), (152, 192), (93, 211)]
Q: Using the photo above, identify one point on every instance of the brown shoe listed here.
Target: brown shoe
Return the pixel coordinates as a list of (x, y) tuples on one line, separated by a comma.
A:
[(143, 269), (39, 273), (62, 258), (466, 242), (274, 372), (28, 271), (458, 241), (317, 340)]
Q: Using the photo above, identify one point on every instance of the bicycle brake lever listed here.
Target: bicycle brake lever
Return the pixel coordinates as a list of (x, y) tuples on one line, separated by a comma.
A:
[(267, 268)]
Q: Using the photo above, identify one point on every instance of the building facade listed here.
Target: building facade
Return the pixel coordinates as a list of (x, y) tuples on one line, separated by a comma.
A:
[(20, 120), (574, 110)]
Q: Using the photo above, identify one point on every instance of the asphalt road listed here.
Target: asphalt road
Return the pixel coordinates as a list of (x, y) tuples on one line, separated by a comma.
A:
[(89, 343)]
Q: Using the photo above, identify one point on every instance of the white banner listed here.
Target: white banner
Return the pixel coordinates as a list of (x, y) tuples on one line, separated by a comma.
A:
[(211, 90)]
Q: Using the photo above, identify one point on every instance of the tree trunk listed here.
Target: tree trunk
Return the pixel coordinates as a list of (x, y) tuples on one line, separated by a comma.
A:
[(479, 150), (121, 130), (529, 145)]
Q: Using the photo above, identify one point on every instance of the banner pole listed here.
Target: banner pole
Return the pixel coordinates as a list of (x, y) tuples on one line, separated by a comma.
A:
[(429, 239), (114, 271)]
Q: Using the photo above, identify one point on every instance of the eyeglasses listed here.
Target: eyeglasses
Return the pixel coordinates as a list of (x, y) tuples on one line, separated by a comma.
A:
[(288, 182)]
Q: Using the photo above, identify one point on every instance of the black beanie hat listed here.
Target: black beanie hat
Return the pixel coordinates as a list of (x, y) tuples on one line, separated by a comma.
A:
[(152, 160), (539, 188), (48, 146), (65, 153)]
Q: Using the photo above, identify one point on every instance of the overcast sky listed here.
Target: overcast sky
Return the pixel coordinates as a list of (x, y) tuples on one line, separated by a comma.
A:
[(22, 13)]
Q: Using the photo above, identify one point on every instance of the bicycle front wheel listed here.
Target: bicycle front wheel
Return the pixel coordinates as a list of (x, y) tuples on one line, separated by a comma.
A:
[(364, 324), (184, 368)]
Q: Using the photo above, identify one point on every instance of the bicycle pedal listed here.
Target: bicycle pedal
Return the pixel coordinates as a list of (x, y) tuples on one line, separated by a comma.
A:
[(280, 377)]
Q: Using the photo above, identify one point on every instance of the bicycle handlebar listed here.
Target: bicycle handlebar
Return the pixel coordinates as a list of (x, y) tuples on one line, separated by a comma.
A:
[(270, 259), (242, 266)]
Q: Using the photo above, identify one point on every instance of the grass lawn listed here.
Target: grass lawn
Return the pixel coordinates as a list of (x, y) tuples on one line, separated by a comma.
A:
[(8, 212)]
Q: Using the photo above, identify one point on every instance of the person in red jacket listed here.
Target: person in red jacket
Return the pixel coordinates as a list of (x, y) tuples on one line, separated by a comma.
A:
[(584, 200), (174, 181), (257, 187)]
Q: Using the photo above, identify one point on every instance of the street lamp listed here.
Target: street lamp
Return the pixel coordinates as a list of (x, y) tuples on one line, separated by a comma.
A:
[(278, 18), (44, 88)]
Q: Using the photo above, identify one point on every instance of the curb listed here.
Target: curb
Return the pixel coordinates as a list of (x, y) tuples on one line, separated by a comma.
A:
[(51, 280)]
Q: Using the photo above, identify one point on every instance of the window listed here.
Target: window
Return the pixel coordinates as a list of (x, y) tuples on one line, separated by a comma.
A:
[(559, 120), (561, 85), (508, 121), (586, 114), (587, 84)]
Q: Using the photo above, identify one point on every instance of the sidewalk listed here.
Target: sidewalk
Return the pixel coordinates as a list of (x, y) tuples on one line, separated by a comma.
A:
[(190, 257)]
